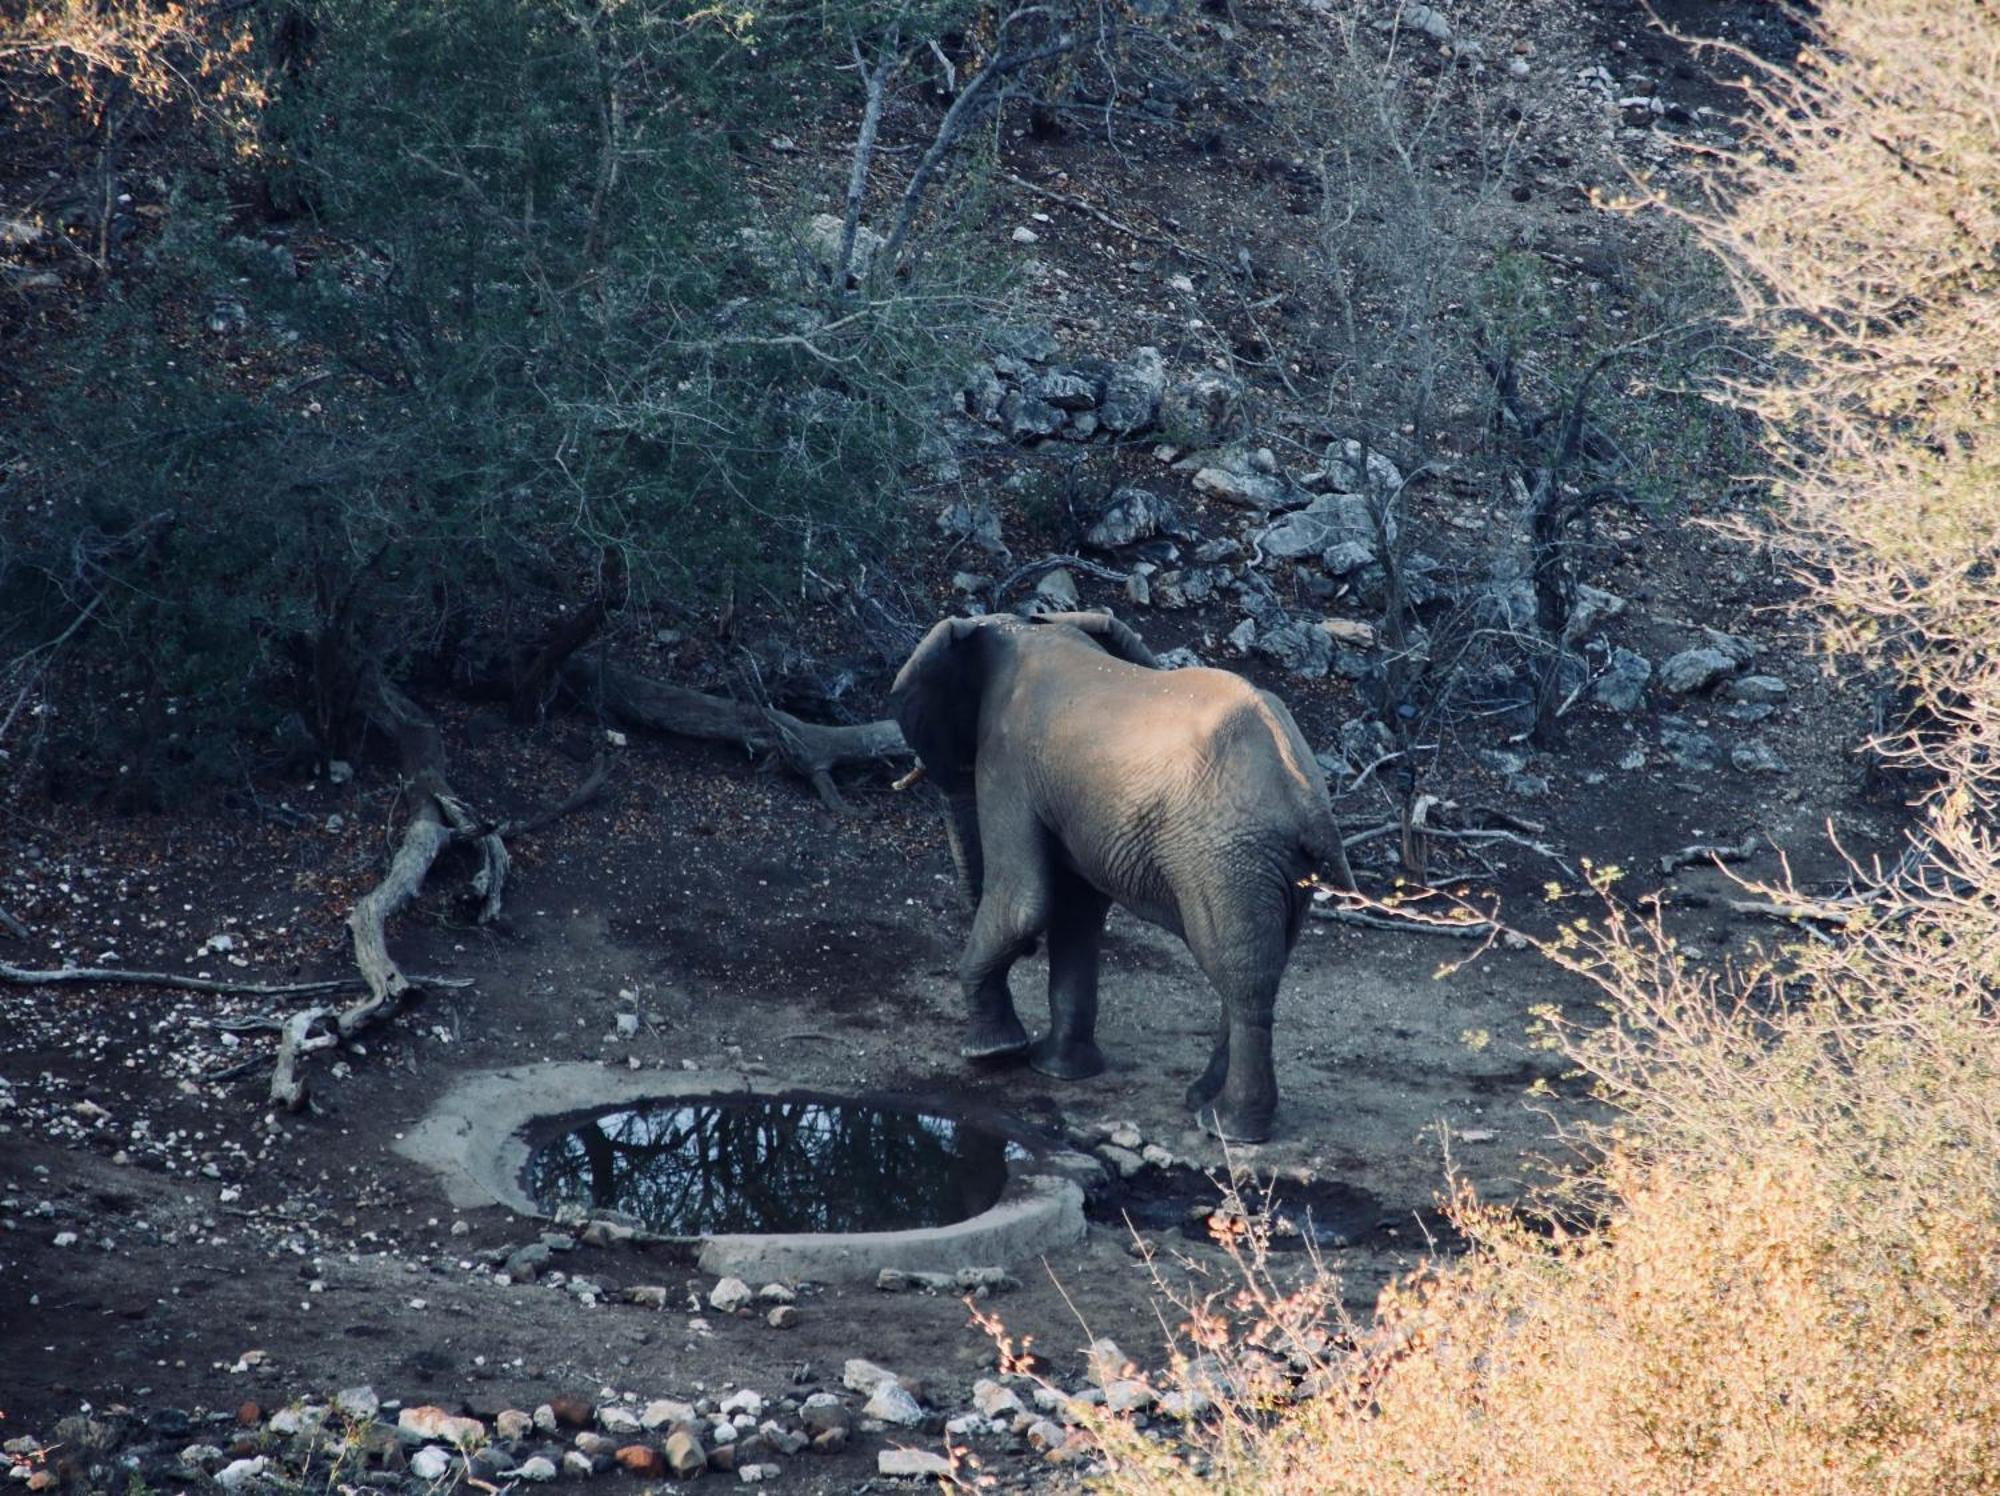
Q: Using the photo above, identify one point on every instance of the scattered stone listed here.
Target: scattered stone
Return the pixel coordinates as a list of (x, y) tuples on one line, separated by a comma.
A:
[(818, 1417), (647, 1296), (995, 1401), (1622, 687), (1124, 1160), (1331, 520), (1045, 1434), (783, 1317), (751, 1474), (891, 1403), (742, 1401), (537, 1468), (1134, 514), (238, 1474), (665, 1411), (1105, 1363), (357, 1403), (787, 1441), (432, 1422), (1128, 1395), (1203, 410), (975, 523), (571, 1412), (1740, 650), (1755, 690), (1179, 658), (1694, 670), (1157, 1156), (525, 1264), (641, 1459), (1058, 589), (1025, 235), (684, 1455), (777, 1293), (1346, 471), (1428, 20), (1303, 649), (512, 1424), (430, 1463), (863, 1376), (576, 1462), (911, 1464), (306, 1419), (1071, 392), (1687, 745), (985, 1279), (1259, 491), (1024, 415), (616, 1420), (1757, 757), (730, 1295), (1132, 393)]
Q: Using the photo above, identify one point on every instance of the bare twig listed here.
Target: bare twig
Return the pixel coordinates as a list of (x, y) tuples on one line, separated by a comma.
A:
[(12, 925), (1710, 852)]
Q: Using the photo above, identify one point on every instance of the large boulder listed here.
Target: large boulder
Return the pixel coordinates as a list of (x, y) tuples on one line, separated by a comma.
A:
[(1133, 392), (1622, 686), (1134, 514), (1694, 670), (1203, 410), (1332, 519)]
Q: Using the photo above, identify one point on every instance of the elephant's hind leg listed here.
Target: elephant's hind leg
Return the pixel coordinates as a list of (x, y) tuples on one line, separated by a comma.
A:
[(1003, 931), (1236, 1096), (1076, 932)]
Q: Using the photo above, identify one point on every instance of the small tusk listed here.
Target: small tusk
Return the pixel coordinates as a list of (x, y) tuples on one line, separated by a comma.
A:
[(910, 778)]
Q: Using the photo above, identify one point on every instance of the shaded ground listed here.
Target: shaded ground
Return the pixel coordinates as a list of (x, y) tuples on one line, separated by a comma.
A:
[(156, 1225)]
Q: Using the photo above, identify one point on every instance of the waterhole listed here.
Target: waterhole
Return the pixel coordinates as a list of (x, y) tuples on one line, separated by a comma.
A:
[(760, 1165)]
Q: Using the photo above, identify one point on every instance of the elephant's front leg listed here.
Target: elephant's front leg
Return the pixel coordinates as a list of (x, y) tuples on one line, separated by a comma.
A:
[(1003, 931), (1076, 933)]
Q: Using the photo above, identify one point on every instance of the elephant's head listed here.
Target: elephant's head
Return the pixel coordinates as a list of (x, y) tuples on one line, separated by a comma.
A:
[(939, 694)]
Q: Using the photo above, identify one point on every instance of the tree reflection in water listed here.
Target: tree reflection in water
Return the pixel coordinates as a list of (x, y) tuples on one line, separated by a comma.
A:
[(768, 1166)]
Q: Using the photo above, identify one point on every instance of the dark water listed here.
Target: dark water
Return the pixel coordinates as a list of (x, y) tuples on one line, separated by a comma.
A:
[(750, 1164), (1329, 1213)]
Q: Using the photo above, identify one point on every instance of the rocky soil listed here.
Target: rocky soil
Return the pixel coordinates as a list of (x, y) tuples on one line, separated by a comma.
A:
[(199, 1291)]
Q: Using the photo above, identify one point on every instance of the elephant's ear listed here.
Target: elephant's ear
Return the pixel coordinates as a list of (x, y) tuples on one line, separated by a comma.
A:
[(1113, 637), (935, 700)]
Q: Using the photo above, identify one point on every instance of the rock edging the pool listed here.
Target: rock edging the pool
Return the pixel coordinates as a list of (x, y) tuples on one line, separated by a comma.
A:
[(475, 1139)]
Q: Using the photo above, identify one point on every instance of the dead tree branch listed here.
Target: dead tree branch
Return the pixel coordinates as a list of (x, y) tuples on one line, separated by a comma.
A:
[(1673, 862), (90, 976), (965, 110), (809, 749)]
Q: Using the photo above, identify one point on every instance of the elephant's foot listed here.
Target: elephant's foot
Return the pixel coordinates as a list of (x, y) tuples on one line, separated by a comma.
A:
[(995, 1039), (1078, 1059), (1238, 1125), (1202, 1091)]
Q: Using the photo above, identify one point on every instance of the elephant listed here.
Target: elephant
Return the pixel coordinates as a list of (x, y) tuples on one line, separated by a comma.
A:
[(1076, 773)]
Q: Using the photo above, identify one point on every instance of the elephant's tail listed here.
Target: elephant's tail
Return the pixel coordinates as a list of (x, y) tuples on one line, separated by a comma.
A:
[(1323, 844)]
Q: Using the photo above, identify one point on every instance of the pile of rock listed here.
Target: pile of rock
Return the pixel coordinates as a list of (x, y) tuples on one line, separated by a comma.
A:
[(1028, 398)]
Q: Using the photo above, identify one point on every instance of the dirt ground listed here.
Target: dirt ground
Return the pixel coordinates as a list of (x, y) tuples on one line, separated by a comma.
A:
[(158, 1226)]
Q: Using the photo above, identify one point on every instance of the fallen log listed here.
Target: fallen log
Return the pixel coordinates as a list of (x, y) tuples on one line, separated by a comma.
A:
[(810, 750)]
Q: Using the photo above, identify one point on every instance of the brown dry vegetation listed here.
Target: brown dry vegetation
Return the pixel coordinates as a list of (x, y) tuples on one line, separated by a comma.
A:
[(1782, 1276)]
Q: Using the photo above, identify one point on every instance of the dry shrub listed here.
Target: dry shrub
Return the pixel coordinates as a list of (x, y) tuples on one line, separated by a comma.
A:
[(1782, 1276)]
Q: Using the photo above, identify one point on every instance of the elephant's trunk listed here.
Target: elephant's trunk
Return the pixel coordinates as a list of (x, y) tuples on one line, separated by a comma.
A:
[(961, 825)]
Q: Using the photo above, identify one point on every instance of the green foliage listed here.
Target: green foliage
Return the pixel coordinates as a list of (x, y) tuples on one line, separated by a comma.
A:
[(519, 308)]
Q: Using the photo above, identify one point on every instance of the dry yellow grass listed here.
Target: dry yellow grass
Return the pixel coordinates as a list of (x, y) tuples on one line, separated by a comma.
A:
[(1792, 1276)]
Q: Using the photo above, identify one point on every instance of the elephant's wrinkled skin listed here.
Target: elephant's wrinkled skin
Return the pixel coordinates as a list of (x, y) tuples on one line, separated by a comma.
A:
[(1077, 774)]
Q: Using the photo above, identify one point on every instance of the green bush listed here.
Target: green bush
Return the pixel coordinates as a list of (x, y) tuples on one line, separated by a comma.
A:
[(518, 307)]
